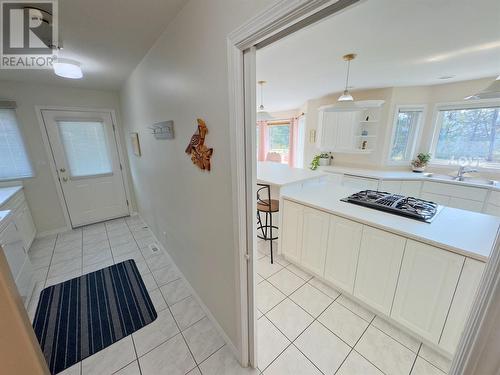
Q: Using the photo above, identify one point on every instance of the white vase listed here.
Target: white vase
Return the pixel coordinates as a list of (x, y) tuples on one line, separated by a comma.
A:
[(324, 161), (418, 169)]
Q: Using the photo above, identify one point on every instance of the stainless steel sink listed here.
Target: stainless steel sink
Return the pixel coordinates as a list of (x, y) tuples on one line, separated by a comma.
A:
[(464, 179)]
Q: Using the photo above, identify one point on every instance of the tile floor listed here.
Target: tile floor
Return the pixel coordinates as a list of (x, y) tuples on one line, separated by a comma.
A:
[(181, 340), (308, 328)]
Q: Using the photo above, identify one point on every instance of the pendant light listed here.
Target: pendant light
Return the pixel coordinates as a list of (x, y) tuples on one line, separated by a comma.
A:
[(67, 68), (346, 96), (262, 115), (490, 92)]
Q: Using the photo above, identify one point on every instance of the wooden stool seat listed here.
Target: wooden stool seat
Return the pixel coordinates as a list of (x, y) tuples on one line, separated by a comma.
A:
[(266, 205)]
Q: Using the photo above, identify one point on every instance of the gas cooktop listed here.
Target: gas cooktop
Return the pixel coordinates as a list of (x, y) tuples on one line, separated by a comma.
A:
[(413, 208)]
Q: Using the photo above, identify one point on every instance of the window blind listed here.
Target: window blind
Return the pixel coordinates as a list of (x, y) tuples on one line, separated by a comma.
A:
[(14, 162)]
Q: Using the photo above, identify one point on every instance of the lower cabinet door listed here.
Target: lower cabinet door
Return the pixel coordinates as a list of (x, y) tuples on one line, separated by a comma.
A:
[(461, 305), (411, 188), (342, 251), (291, 230), (427, 281), (378, 268), (466, 204), (24, 222), (314, 240)]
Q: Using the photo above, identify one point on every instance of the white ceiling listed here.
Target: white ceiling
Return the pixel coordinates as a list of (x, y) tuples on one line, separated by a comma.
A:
[(108, 37), (398, 42)]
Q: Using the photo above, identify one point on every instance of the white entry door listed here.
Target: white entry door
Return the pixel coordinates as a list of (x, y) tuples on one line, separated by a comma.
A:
[(85, 153)]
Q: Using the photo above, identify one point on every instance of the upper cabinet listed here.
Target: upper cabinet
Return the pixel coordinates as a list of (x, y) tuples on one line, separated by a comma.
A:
[(349, 129)]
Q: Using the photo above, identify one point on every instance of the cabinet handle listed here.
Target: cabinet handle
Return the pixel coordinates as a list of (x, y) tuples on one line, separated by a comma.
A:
[(63, 170), (65, 179)]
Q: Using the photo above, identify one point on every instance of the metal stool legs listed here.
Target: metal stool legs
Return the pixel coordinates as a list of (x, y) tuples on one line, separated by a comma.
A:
[(264, 228)]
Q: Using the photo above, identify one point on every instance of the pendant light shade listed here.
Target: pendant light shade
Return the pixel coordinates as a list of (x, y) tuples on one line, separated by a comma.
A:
[(490, 92), (346, 96), (67, 68), (262, 114)]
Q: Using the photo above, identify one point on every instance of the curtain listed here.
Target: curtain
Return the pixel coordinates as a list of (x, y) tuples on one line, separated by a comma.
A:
[(292, 151), (263, 141)]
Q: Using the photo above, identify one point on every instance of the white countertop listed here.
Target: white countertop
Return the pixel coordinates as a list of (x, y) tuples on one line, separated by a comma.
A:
[(388, 175), (464, 232), (278, 174), (8, 192)]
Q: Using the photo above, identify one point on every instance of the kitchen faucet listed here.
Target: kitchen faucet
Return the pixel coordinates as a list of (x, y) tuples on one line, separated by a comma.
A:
[(463, 170)]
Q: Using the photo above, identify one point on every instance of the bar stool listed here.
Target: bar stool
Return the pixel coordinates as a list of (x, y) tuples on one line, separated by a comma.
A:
[(267, 206)]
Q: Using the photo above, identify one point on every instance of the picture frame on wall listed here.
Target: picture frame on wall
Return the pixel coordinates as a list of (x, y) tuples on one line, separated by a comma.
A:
[(136, 147)]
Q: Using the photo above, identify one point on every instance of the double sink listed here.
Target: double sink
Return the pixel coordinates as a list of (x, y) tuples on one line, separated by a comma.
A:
[(463, 179)]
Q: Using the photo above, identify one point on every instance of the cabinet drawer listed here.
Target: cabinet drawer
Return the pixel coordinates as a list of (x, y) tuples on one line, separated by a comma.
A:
[(436, 198), (393, 187), (491, 209), (466, 204), (451, 190), (360, 183), (494, 198), (411, 188), (427, 281)]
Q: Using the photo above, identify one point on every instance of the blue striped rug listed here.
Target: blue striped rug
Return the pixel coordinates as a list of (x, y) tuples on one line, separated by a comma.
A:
[(81, 316)]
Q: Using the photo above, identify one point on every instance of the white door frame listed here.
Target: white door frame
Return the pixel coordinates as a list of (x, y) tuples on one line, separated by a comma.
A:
[(276, 19), (52, 165)]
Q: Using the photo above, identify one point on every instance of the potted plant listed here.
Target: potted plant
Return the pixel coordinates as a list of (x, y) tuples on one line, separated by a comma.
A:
[(322, 159), (419, 164)]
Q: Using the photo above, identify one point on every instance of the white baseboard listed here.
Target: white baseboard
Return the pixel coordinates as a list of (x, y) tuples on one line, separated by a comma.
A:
[(51, 232), (208, 313)]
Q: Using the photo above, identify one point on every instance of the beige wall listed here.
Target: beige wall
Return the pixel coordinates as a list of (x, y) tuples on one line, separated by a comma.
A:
[(429, 96), (41, 190), (184, 76)]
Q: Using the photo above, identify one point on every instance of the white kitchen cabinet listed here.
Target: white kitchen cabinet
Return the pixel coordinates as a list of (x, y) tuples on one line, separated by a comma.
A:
[(443, 200), (457, 191), (326, 138), (378, 267), (291, 230), (491, 209), (466, 204), (24, 223), (461, 305), (314, 240), (393, 187), (336, 130), (360, 183), (19, 264), (344, 239), (411, 188), (427, 281)]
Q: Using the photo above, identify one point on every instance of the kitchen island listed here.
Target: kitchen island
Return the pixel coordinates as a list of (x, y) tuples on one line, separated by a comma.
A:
[(421, 276)]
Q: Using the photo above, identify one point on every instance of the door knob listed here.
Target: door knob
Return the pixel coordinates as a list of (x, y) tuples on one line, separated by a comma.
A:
[(65, 179), (62, 170)]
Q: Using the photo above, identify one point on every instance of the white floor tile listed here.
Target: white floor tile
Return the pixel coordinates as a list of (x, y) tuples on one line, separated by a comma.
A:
[(96, 247), (311, 299), (187, 312), (286, 281), (223, 362), (203, 339), (329, 291), (300, 272), (289, 318), (141, 266), (135, 255), (422, 367), (73, 370), (158, 261), (343, 322), (292, 361), (95, 267), (62, 277), (175, 291), (265, 268), (155, 333), (384, 352), (355, 364), (68, 245), (396, 334), (435, 358), (110, 359), (172, 358), (356, 308), (270, 342), (96, 258), (267, 296), (66, 256), (323, 348), (158, 300), (124, 248), (65, 267), (131, 369), (149, 282), (165, 275), (194, 371)]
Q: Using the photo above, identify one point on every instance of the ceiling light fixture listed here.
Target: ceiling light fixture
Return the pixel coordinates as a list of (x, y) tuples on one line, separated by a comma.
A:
[(490, 92), (262, 115), (67, 68), (346, 96)]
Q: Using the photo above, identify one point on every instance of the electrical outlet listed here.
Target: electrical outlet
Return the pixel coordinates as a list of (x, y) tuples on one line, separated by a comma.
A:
[(154, 248)]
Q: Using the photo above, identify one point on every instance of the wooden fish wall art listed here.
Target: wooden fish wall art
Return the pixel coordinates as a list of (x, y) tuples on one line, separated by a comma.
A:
[(200, 153)]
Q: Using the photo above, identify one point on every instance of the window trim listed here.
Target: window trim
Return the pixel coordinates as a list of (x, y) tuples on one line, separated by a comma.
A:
[(417, 134), (469, 104), (23, 140)]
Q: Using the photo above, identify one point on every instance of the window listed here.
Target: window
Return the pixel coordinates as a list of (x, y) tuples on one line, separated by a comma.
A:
[(406, 125), (468, 135), (14, 162), (279, 139), (85, 147)]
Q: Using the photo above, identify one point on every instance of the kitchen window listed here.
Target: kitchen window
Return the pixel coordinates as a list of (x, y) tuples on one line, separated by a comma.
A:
[(14, 162), (407, 122), (279, 140), (468, 135)]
